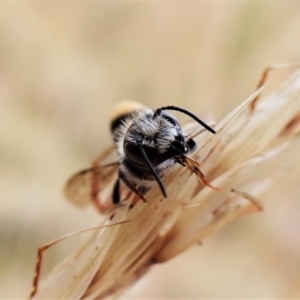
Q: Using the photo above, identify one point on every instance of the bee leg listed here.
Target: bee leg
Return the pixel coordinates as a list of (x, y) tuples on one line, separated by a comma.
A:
[(180, 161), (116, 192), (132, 187)]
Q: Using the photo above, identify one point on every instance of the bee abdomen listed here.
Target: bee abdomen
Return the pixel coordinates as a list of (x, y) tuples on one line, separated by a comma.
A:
[(192, 145), (115, 124), (121, 112)]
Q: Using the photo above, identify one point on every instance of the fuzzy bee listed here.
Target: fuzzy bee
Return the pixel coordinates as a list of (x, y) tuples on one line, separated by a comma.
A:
[(147, 143)]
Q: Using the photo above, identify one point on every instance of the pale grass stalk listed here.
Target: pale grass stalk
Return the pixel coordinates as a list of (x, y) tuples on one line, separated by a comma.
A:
[(250, 153)]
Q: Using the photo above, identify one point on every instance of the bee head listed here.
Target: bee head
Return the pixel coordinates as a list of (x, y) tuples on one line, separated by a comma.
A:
[(152, 138), (160, 135)]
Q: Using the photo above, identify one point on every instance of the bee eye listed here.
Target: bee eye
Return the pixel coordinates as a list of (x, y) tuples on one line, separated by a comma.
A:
[(169, 117), (134, 154)]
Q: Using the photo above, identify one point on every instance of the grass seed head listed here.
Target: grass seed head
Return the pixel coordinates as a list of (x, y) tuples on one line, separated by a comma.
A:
[(252, 150)]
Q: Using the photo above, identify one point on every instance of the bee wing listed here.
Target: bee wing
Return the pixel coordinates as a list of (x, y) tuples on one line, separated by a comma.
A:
[(85, 185), (106, 157)]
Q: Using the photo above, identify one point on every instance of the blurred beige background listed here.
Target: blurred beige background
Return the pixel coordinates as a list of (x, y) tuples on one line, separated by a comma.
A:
[(63, 65)]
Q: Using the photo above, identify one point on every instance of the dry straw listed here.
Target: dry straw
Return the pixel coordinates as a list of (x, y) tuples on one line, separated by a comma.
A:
[(253, 149)]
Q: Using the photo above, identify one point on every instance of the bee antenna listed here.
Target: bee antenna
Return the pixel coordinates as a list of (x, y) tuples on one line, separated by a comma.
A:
[(157, 112), (157, 178)]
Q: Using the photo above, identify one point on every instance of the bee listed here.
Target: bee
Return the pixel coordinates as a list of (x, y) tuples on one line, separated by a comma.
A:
[(147, 143)]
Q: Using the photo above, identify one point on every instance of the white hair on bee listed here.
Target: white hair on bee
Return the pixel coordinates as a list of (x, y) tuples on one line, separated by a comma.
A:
[(151, 129), (148, 142), (141, 126)]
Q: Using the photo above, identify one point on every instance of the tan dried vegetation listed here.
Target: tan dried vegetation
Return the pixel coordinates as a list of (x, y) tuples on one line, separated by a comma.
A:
[(254, 148), (64, 65)]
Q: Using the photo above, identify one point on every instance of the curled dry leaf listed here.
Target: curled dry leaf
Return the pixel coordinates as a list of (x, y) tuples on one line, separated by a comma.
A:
[(251, 151)]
